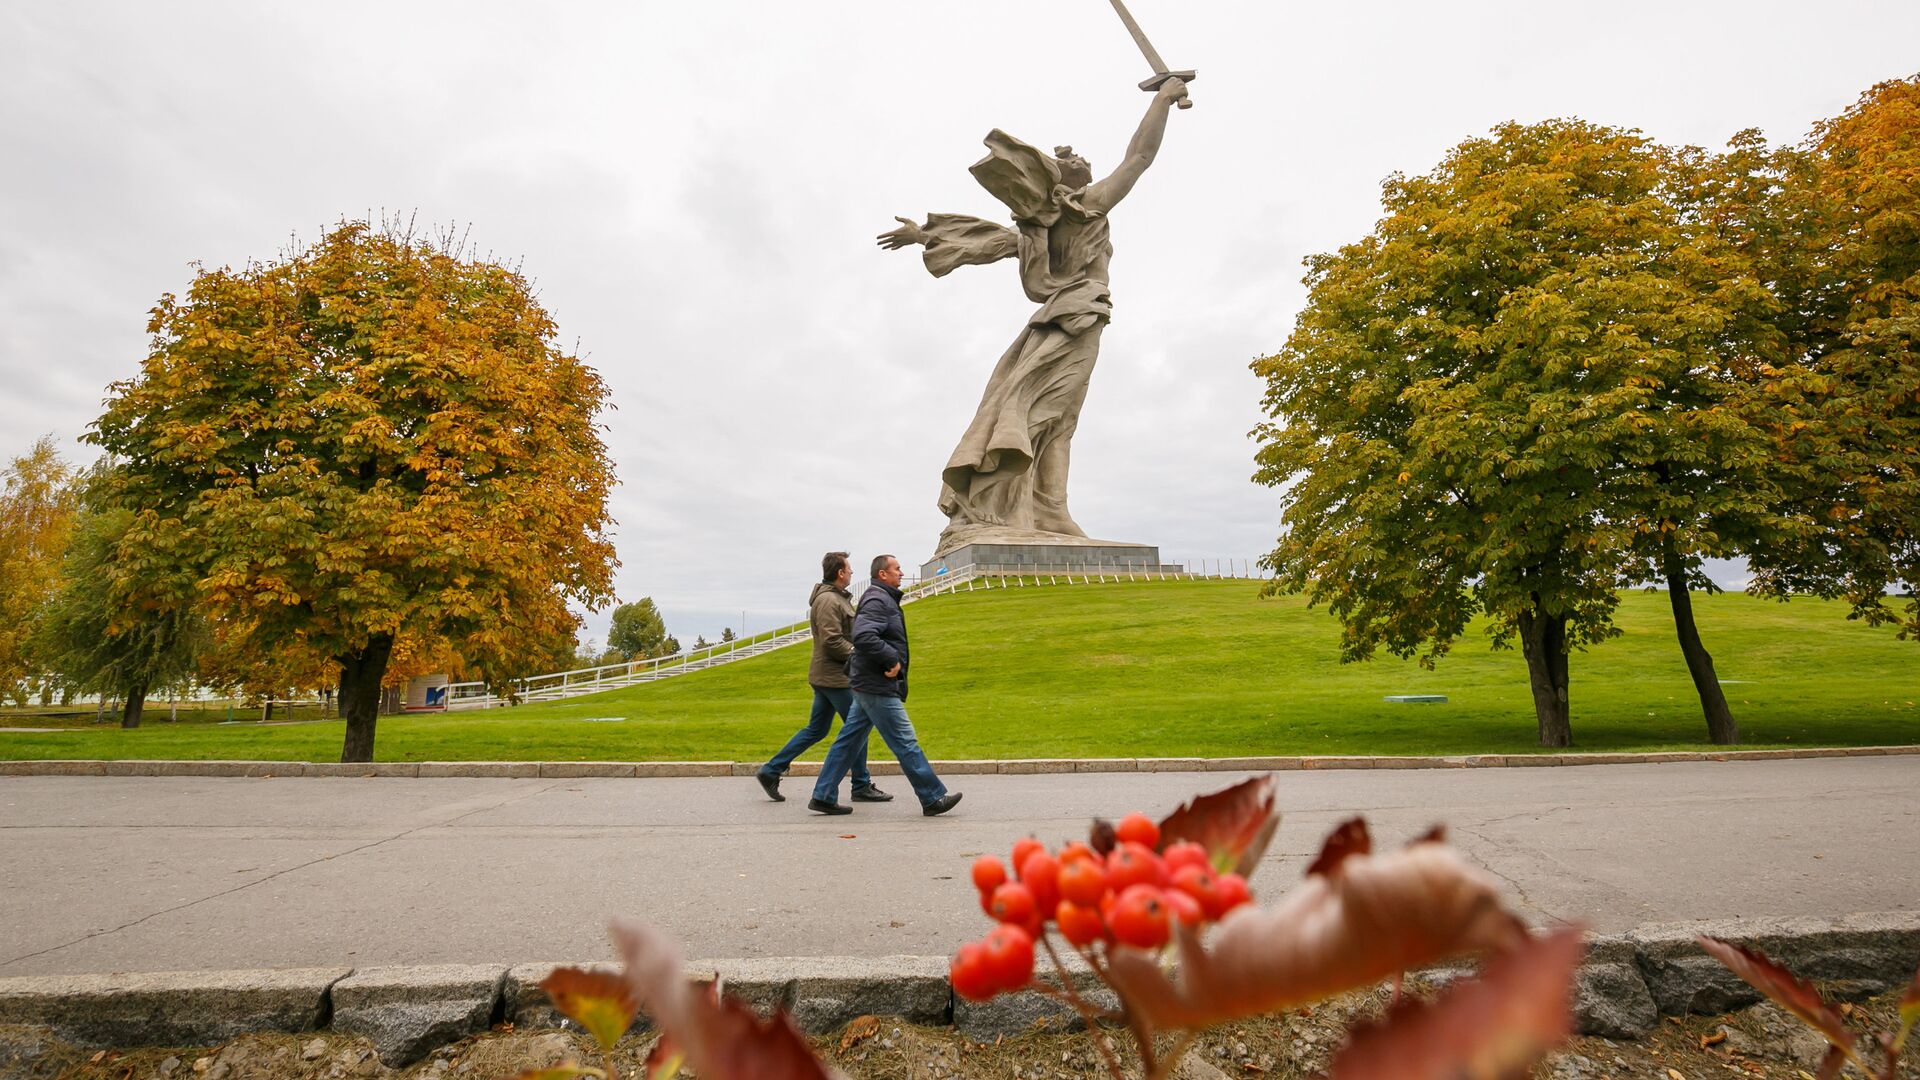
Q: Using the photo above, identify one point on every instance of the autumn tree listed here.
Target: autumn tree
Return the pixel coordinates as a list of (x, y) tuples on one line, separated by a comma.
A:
[(113, 633), (38, 499), (1516, 395), (638, 631), (369, 439), (1846, 259)]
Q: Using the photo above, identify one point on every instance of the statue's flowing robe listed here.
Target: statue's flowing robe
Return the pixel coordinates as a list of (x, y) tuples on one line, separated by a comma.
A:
[(1010, 468)]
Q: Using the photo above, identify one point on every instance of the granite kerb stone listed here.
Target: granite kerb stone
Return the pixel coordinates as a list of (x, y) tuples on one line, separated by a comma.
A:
[(1852, 957), (170, 1008), (1625, 983), (1610, 996), (625, 769), (509, 770), (407, 1012)]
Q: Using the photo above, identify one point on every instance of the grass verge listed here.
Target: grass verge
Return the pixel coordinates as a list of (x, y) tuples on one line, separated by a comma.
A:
[(1165, 669)]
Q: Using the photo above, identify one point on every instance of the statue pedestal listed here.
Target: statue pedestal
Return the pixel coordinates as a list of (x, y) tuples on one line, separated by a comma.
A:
[(1084, 557)]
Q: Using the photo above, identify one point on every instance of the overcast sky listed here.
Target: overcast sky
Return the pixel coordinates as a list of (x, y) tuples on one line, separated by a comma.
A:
[(695, 188)]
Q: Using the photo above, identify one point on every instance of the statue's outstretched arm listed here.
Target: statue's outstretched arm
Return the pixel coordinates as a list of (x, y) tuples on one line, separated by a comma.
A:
[(952, 241), (1103, 195)]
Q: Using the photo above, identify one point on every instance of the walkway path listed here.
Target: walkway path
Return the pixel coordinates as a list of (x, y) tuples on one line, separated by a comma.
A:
[(185, 873)]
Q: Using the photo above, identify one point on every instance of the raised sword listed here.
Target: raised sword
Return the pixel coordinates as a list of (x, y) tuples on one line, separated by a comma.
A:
[(1160, 72)]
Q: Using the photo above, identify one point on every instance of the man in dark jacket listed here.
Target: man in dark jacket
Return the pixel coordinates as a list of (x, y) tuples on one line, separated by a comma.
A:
[(878, 677), (830, 613)]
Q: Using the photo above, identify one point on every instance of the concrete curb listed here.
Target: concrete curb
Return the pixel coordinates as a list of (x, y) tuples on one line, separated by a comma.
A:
[(1017, 766), (1627, 982)]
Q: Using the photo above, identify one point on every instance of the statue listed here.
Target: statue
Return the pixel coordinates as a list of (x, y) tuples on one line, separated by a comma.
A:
[(1007, 479)]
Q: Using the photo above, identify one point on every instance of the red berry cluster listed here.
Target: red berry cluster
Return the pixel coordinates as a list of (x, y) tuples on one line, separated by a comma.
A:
[(1133, 895)]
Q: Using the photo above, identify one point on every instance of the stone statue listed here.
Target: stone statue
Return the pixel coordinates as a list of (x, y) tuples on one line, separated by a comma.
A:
[(1007, 480)]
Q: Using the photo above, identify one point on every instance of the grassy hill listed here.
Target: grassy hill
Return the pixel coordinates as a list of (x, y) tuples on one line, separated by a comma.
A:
[(1168, 669)]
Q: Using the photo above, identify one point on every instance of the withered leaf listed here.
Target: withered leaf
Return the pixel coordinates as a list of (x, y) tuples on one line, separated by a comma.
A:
[(858, 1029), (1789, 991), (599, 1001), (722, 1038), (1493, 1026), (1234, 825)]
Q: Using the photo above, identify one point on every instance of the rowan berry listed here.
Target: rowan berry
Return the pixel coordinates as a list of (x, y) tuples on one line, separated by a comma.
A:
[(1140, 917), (1186, 910), (1185, 853), (969, 974), (1138, 828), (1041, 873), (1012, 903), (988, 873), (1080, 925), (1075, 850), (1233, 891), (1083, 881), (1022, 848), (1009, 956), (1132, 864), (1199, 883)]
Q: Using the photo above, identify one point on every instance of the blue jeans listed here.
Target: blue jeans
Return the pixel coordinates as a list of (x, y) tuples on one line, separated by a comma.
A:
[(888, 715), (827, 700)]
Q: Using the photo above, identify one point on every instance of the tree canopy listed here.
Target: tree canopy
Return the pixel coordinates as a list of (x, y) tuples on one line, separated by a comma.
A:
[(101, 636), (638, 631), (371, 444), (1517, 394), (1841, 235), (38, 501)]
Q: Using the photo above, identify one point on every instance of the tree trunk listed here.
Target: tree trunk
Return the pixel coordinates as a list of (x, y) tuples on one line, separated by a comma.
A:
[(1721, 727), (136, 703), (360, 675), (1543, 639)]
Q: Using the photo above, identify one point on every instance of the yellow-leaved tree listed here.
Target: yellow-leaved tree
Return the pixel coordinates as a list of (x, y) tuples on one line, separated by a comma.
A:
[(37, 505), (370, 440)]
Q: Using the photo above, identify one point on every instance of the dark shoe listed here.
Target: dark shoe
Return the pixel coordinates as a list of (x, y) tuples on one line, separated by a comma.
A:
[(942, 804), (822, 806), (870, 793), (770, 783)]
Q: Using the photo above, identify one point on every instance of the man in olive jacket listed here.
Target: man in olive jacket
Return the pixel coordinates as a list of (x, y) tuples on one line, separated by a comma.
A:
[(878, 676), (831, 616)]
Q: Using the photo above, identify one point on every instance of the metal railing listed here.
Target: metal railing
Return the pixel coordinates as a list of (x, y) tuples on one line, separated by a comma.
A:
[(592, 680)]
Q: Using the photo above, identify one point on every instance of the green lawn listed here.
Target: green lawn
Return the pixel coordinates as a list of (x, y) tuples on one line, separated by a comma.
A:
[(1159, 669)]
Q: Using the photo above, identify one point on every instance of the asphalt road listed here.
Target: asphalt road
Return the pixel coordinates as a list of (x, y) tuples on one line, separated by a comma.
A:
[(102, 874)]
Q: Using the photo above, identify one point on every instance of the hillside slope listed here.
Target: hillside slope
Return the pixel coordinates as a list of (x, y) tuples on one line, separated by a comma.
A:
[(1171, 669)]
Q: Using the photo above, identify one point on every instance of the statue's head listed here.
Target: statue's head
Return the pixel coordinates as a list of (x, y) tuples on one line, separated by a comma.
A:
[(1075, 171)]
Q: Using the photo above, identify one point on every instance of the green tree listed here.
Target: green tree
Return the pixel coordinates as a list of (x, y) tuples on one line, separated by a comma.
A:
[(727, 634), (638, 631), (104, 638), (1846, 407), (38, 501), (372, 437), (1518, 393)]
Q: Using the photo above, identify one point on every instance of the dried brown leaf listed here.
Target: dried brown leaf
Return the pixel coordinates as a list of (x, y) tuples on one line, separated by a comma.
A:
[(723, 1039), (1493, 1026), (663, 1060), (858, 1029), (1789, 991), (599, 1001), (1347, 839), (1234, 825), (1373, 917)]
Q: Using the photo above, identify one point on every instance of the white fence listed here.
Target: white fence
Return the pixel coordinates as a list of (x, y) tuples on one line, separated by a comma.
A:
[(593, 680)]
